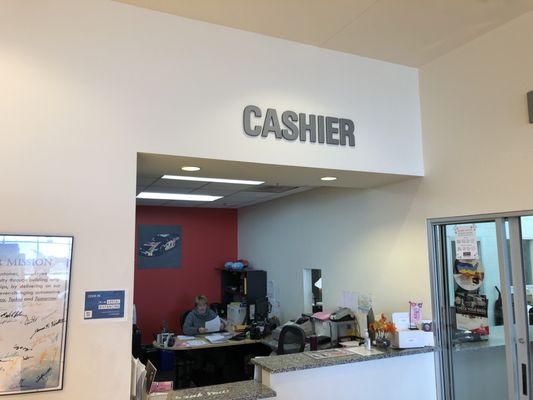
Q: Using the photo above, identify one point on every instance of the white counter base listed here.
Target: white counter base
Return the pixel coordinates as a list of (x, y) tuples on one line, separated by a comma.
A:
[(409, 377)]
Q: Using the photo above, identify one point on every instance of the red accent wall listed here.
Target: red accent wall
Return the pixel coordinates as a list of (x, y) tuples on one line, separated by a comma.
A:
[(209, 240)]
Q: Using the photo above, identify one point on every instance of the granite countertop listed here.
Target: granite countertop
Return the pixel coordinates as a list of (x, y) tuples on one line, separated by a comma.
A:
[(495, 340), (299, 361), (244, 390)]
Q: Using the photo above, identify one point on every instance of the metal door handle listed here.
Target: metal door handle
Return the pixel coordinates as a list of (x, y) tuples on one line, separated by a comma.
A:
[(524, 379)]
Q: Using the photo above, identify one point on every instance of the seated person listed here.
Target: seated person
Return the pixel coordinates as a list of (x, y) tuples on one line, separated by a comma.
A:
[(194, 323)]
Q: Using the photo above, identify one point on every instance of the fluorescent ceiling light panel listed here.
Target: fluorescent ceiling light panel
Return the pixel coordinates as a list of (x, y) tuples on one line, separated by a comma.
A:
[(214, 180), (177, 196), (328, 178)]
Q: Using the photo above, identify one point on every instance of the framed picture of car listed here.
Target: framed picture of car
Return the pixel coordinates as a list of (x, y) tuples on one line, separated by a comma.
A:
[(159, 246)]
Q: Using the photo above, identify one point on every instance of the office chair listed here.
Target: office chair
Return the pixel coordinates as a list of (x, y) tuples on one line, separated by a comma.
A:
[(291, 340), (182, 318), (219, 309), (136, 347)]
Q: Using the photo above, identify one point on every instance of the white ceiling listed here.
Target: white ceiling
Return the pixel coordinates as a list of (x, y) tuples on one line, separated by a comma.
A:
[(409, 32), (279, 180)]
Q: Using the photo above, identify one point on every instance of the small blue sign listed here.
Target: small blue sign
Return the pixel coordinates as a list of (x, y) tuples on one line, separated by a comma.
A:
[(104, 304)]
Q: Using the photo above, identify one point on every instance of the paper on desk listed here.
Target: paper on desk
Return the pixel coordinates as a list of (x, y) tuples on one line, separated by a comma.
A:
[(185, 337), (351, 343), (363, 351), (213, 325), (158, 396), (194, 343), (216, 338), (330, 353)]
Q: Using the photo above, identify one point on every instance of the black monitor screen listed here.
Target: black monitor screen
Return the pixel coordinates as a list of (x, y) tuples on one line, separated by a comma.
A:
[(261, 308)]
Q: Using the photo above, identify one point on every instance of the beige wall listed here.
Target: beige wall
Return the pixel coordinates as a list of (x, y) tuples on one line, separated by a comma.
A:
[(78, 102), (478, 150), (86, 84)]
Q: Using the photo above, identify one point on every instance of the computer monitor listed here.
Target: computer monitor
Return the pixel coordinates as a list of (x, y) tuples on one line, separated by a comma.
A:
[(262, 308)]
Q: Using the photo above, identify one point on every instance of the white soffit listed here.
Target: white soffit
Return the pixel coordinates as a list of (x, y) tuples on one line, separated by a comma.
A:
[(409, 32)]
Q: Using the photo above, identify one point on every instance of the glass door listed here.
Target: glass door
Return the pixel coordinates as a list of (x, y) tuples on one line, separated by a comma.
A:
[(483, 292), (525, 290), (475, 312)]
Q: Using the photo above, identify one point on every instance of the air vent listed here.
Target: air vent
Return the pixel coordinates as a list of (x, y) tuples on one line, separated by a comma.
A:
[(271, 189)]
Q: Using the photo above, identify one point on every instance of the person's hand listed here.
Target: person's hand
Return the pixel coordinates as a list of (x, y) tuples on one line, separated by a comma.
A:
[(202, 330)]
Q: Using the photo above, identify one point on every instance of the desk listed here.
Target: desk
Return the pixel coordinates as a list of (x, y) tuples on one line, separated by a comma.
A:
[(185, 358), (179, 344)]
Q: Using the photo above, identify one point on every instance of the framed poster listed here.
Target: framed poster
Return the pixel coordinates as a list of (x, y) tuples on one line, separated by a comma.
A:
[(159, 246), (472, 312), (466, 243), (34, 293)]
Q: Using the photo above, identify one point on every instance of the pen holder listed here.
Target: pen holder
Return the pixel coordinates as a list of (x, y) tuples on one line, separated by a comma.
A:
[(313, 342)]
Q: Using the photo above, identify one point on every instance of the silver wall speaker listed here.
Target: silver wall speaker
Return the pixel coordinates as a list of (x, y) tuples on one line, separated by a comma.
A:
[(530, 106)]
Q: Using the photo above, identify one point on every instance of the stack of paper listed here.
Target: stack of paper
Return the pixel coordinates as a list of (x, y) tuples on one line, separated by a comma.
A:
[(216, 338), (351, 343), (185, 337), (161, 386), (363, 351), (158, 396), (137, 379), (193, 343)]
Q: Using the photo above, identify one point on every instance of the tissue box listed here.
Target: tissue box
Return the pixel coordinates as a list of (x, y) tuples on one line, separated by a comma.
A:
[(412, 339)]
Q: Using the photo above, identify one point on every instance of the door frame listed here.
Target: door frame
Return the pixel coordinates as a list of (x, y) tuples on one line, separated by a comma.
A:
[(511, 269)]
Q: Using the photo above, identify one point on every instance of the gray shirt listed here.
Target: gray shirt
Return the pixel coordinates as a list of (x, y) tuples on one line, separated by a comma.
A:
[(195, 320)]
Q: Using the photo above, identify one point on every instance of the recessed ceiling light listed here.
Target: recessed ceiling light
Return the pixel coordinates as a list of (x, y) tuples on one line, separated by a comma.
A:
[(328, 178), (177, 196), (214, 180), (190, 168)]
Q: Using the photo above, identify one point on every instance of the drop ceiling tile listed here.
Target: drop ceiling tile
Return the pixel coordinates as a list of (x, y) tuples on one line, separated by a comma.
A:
[(156, 189), (213, 192), (150, 202), (179, 186), (178, 203), (247, 196), (146, 180), (218, 205), (228, 186)]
